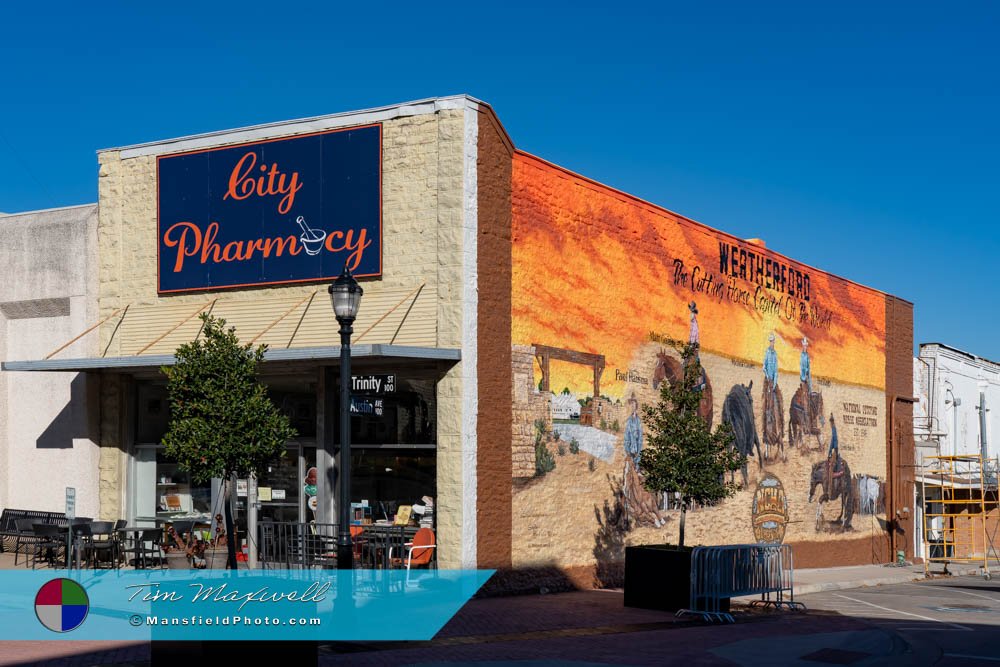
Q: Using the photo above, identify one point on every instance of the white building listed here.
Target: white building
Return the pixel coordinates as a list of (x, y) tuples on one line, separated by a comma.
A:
[(565, 406), (48, 295), (957, 414), (952, 385)]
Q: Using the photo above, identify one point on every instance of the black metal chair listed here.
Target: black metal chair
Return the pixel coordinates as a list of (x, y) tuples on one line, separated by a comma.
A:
[(103, 544), (119, 541), (25, 538), (80, 541), (150, 549), (49, 539)]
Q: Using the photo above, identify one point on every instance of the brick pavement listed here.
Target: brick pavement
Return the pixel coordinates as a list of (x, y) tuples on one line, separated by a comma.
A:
[(591, 628), (583, 627)]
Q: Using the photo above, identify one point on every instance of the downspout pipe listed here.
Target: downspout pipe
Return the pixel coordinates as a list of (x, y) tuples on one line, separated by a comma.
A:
[(983, 446), (892, 514), (955, 402), (929, 393)]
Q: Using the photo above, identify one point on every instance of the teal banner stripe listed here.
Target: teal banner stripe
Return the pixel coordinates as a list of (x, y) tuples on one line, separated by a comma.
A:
[(320, 605)]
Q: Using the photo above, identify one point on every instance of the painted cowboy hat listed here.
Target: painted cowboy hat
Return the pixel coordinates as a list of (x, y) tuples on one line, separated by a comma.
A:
[(693, 307), (770, 337)]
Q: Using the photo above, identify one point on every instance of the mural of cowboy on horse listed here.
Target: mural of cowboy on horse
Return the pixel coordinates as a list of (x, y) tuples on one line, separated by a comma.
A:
[(807, 405), (834, 476), (669, 369), (695, 339), (774, 417)]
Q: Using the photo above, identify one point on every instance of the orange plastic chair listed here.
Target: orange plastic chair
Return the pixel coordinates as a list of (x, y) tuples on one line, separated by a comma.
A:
[(356, 532), (418, 552)]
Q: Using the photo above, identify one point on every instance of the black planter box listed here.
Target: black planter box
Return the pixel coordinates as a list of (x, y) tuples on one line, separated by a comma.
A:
[(174, 653), (659, 577)]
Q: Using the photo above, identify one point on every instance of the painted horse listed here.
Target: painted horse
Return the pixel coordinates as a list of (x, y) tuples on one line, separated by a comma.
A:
[(774, 423), (737, 411), (835, 485), (668, 368), (805, 416)]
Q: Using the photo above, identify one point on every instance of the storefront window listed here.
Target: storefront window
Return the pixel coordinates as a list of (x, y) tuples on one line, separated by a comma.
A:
[(278, 488), (393, 437), (389, 477), (160, 489), (299, 407), (404, 417)]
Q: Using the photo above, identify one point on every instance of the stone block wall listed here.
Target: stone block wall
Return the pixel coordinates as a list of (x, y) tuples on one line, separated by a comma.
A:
[(528, 407)]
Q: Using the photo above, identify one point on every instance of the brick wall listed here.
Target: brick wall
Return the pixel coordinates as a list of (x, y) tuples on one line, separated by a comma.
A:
[(495, 418), (900, 450), (598, 271)]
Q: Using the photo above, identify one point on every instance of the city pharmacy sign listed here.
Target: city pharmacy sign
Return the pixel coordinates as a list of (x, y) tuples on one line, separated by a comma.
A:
[(269, 212)]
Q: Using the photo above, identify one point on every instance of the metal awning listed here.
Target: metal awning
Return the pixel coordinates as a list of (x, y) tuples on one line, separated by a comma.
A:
[(320, 355)]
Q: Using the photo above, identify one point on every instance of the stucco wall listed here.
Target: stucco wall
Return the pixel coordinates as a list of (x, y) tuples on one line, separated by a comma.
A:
[(425, 224), (48, 431), (955, 374)]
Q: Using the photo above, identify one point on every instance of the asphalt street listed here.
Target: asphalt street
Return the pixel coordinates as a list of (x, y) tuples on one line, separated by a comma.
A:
[(947, 622)]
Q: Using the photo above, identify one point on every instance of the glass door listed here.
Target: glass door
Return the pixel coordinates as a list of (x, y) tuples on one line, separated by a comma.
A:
[(279, 488)]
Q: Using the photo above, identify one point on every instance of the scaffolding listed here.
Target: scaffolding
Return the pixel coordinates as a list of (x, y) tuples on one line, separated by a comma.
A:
[(960, 494)]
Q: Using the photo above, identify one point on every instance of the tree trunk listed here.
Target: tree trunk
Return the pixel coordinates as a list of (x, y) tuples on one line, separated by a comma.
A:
[(230, 531), (684, 508)]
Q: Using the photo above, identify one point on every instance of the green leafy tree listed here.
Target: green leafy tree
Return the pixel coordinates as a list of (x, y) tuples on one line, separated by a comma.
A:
[(222, 422), (682, 455)]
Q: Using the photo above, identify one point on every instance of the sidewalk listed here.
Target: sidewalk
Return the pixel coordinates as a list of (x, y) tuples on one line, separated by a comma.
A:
[(859, 576)]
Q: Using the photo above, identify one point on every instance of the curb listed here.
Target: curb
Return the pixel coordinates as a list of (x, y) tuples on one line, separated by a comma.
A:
[(819, 587), (902, 578)]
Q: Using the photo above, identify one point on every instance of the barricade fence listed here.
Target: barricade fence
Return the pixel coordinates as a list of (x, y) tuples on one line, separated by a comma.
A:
[(297, 545), (730, 571)]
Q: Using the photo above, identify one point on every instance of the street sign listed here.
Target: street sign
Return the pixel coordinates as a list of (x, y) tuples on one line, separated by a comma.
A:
[(363, 405), (373, 384), (70, 502)]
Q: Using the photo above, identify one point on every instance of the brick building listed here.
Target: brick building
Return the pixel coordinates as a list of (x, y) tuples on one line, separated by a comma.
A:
[(465, 247)]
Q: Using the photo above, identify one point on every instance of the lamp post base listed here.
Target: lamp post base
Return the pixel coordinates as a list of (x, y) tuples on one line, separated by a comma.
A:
[(345, 556)]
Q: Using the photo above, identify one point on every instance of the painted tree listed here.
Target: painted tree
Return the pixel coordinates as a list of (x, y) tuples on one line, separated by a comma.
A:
[(682, 455), (222, 422)]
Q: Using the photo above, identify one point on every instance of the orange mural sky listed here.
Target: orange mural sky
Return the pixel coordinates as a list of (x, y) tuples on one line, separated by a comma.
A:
[(595, 270)]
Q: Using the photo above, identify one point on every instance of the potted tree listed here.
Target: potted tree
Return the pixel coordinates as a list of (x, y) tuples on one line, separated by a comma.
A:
[(683, 457), (222, 425), (222, 422)]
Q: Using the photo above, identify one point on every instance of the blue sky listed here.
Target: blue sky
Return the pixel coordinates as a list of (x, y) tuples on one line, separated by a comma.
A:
[(860, 138)]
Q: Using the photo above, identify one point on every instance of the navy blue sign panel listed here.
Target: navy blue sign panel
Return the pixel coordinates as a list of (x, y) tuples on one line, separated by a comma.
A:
[(270, 212)]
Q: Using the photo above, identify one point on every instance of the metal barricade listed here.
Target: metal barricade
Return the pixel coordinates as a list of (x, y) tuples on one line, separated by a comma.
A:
[(737, 570)]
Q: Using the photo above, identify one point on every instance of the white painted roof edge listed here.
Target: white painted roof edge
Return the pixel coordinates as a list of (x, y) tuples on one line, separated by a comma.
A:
[(957, 354), (48, 210), (298, 126)]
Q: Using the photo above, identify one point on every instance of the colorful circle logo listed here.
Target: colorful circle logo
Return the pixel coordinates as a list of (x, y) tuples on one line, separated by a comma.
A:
[(61, 605)]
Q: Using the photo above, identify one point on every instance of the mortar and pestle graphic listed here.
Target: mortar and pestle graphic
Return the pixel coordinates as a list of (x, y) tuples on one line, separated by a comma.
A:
[(312, 239)]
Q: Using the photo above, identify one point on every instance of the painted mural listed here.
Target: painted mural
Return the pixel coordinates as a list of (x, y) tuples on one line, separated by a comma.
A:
[(791, 357)]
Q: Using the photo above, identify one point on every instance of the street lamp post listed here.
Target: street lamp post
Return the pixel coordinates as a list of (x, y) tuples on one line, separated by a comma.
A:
[(345, 296)]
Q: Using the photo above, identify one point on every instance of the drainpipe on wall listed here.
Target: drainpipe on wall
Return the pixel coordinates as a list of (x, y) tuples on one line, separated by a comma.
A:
[(955, 402), (929, 393), (983, 448), (893, 515)]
